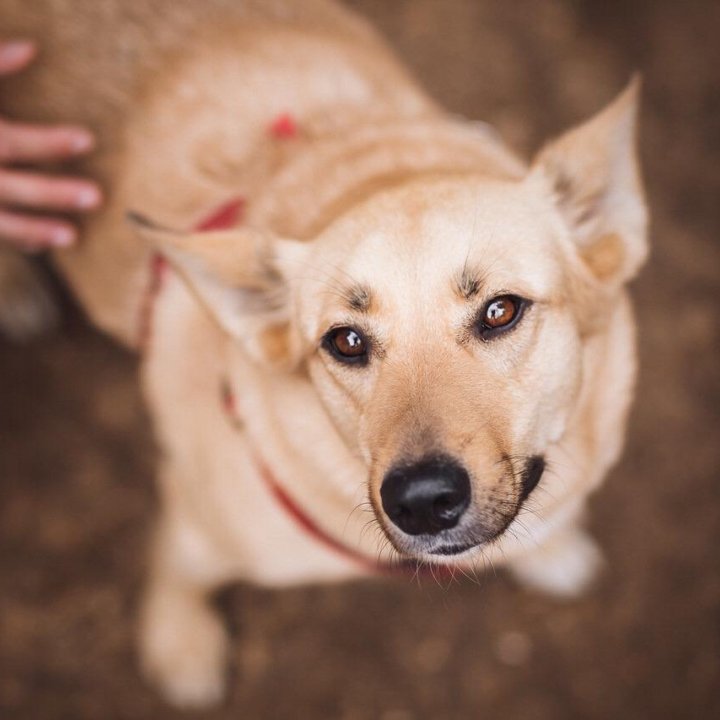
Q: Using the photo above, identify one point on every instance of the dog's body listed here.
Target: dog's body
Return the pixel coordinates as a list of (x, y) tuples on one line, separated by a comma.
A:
[(403, 221)]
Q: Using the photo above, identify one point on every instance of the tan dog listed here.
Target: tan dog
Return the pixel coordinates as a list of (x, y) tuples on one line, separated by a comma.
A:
[(401, 310)]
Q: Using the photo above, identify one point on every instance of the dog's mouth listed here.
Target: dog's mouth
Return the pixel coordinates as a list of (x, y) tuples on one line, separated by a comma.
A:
[(447, 544), (456, 549)]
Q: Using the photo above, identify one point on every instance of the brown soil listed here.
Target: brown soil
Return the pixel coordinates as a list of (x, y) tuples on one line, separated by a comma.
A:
[(76, 490)]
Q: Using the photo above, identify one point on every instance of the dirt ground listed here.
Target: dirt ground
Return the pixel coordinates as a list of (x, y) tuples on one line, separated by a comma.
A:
[(76, 461)]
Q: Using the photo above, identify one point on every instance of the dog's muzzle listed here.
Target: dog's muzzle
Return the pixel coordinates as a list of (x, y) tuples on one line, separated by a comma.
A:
[(428, 503)]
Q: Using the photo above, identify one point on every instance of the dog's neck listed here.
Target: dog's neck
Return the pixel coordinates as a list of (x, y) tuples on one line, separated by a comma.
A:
[(330, 171)]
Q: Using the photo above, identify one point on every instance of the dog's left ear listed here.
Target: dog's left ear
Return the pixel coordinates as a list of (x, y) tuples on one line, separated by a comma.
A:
[(592, 173), (239, 275)]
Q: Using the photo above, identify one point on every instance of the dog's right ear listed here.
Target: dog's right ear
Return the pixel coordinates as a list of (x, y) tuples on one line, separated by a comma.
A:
[(239, 275)]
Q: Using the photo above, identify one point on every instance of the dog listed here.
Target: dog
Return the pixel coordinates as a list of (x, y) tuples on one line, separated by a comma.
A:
[(350, 305)]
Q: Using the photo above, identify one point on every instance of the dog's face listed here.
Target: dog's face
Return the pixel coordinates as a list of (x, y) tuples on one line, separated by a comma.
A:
[(439, 332), (442, 324)]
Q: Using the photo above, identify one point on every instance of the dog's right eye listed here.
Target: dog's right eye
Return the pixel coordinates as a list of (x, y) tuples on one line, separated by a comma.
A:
[(500, 314), (347, 344)]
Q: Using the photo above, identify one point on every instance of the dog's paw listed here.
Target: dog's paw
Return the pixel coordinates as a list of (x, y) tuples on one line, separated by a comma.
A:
[(27, 307), (565, 566), (183, 648)]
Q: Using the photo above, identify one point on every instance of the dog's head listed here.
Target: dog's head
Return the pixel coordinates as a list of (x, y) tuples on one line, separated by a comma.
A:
[(442, 323)]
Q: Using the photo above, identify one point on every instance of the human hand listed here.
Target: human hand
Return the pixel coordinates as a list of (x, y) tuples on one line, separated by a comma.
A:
[(23, 189)]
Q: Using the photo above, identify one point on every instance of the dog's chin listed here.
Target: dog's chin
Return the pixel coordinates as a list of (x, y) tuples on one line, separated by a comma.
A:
[(442, 548), (449, 554)]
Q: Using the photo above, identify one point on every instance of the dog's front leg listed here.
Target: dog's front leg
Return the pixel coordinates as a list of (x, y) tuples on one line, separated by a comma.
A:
[(183, 644), (563, 565)]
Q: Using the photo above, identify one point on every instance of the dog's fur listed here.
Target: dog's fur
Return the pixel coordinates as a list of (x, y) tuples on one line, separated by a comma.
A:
[(383, 214)]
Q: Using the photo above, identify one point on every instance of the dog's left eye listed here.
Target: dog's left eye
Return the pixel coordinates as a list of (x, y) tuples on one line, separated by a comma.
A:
[(500, 314), (347, 344)]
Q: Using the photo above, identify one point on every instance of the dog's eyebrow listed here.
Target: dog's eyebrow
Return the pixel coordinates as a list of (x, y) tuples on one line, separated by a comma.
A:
[(468, 282), (358, 297)]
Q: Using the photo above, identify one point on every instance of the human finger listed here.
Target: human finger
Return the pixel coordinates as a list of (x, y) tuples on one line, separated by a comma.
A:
[(41, 191), (35, 233), (27, 143), (15, 54)]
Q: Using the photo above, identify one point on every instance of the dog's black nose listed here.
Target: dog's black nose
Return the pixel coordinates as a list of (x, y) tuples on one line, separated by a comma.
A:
[(426, 497)]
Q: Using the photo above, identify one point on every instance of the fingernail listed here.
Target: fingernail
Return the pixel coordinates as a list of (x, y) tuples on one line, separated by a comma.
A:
[(62, 237), (82, 142), (88, 198), (15, 50)]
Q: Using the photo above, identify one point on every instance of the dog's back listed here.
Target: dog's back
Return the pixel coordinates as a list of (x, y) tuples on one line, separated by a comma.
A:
[(168, 88)]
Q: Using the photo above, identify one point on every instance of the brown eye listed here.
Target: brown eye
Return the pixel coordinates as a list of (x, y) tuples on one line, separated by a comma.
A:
[(500, 313), (347, 345)]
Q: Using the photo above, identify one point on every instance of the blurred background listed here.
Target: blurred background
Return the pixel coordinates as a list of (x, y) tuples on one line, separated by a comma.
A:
[(76, 459)]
